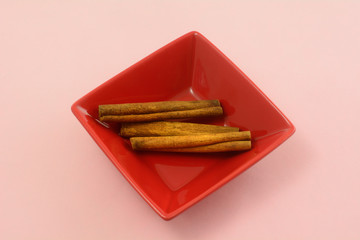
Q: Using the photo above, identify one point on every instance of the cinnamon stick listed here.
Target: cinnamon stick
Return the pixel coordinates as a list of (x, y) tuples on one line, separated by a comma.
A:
[(166, 128), (148, 143), (201, 112), (216, 147), (154, 107)]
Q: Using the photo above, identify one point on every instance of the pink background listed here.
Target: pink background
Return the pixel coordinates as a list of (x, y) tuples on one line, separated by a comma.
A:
[(55, 183)]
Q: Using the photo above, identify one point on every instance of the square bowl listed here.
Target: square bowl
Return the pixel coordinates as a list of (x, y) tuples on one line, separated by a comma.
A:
[(188, 68)]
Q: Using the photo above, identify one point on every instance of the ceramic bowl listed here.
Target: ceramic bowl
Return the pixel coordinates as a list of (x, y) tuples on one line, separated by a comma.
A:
[(188, 68)]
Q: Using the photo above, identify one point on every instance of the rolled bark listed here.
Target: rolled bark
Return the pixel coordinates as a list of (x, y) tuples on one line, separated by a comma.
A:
[(217, 147), (201, 112), (166, 128), (146, 143), (154, 107)]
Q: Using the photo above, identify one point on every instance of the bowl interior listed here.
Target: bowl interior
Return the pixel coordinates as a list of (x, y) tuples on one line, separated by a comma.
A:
[(186, 69)]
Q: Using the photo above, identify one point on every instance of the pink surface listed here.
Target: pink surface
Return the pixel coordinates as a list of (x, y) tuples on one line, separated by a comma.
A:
[(55, 183)]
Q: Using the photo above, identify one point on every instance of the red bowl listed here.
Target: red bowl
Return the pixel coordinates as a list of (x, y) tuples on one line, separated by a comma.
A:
[(189, 68)]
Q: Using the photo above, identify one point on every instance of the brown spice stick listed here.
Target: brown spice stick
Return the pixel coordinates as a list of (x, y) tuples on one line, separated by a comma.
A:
[(154, 107), (164, 128), (201, 112), (217, 147), (146, 143)]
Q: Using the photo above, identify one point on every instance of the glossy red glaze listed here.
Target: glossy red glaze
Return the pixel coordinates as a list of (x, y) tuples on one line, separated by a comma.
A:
[(188, 68)]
